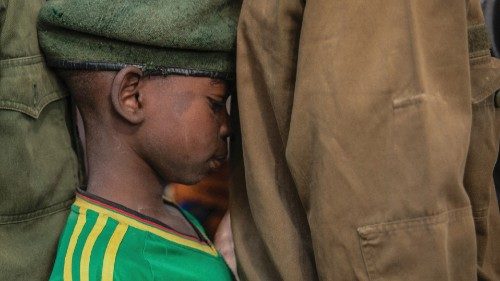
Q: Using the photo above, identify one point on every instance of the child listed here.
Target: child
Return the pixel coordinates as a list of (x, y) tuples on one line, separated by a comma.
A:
[(150, 79)]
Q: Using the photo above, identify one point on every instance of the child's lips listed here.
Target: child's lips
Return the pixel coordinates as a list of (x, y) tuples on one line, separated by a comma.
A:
[(217, 161), (221, 157), (215, 164)]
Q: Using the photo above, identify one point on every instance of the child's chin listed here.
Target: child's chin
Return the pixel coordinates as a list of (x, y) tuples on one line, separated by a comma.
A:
[(194, 179)]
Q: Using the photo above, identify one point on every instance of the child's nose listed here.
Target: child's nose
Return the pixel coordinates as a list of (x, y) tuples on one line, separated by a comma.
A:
[(225, 128)]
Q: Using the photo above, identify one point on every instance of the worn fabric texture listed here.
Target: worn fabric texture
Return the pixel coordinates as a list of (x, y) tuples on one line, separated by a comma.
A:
[(158, 35), (38, 165), (368, 139), (483, 151)]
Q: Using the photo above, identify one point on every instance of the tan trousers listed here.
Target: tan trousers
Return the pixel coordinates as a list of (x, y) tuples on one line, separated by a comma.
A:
[(368, 139)]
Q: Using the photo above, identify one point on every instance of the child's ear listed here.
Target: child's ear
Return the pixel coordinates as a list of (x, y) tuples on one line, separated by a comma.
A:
[(125, 95)]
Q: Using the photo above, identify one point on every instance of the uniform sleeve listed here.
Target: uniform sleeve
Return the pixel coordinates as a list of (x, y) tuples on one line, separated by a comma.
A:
[(39, 168), (269, 223)]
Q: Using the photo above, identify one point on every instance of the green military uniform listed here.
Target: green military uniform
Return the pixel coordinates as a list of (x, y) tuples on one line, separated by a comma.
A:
[(369, 135), (38, 165), (106, 241)]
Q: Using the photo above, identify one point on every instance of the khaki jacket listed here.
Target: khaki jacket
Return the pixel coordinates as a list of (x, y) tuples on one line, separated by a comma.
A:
[(368, 139)]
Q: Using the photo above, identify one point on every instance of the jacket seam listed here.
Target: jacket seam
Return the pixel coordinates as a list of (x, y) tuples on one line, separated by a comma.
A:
[(444, 217), (33, 111), (56, 208), (22, 61)]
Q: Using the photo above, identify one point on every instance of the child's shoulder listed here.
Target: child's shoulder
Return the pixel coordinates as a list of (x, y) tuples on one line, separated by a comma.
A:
[(102, 238)]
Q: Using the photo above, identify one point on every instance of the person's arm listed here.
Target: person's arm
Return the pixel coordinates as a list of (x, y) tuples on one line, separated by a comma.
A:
[(38, 165), (269, 223)]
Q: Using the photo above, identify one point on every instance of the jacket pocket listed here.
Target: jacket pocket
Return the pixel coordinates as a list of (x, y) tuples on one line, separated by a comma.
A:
[(38, 165), (483, 151), (438, 247), (485, 78), (27, 86), (485, 132)]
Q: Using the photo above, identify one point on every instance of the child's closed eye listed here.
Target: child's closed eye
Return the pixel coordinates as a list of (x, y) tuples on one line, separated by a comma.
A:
[(217, 105)]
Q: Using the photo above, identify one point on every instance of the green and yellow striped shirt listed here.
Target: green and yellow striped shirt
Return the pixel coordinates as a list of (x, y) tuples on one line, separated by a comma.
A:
[(106, 241)]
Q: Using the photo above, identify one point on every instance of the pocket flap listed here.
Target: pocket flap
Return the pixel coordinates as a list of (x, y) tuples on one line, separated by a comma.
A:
[(27, 86), (485, 78), (438, 247)]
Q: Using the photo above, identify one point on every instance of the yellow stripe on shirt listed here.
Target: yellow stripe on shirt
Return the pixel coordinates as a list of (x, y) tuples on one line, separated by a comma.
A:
[(80, 202), (68, 259), (89, 244), (108, 266)]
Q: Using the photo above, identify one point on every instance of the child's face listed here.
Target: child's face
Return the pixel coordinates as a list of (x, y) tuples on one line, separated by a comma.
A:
[(186, 126)]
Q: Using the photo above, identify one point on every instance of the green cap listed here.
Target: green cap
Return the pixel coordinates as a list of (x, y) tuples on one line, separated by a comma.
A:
[(185, 37)]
